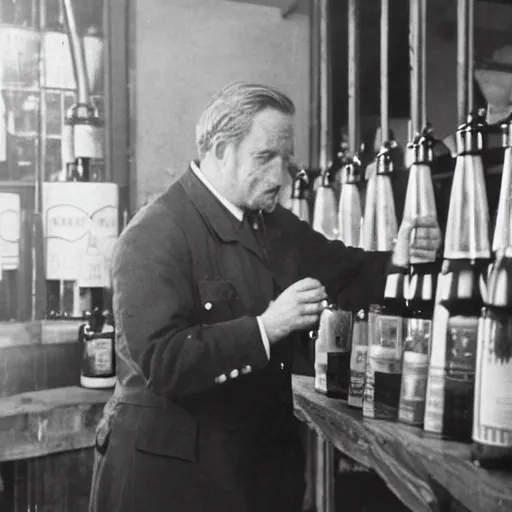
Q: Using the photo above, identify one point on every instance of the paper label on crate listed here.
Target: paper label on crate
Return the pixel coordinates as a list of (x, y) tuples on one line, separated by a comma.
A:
[(357, 375), (493, 425), (414, 388), (80, 229), (10, 218), (434, 403)]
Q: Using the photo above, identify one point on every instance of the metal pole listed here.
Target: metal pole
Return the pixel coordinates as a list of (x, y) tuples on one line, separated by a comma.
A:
[(314, 117), (320, 474), (415, 65), (329, 477), (384, 81), (353, 76), (325, 88), (423, 57), (465, 9)]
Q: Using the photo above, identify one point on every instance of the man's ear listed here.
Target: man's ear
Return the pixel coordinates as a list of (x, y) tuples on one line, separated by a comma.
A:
[(219, 147)]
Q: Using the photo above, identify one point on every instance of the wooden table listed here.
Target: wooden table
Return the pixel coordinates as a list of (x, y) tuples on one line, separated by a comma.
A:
[(420, 470)]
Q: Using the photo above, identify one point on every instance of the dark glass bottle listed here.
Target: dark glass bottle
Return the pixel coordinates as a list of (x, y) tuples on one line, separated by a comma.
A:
[(97, 336)]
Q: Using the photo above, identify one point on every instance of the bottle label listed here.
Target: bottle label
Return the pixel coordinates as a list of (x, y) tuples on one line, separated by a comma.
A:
[(357, 375), (493, 393), (450, 389), (415, 370), (320, 378), (414, 388), (99, 358)]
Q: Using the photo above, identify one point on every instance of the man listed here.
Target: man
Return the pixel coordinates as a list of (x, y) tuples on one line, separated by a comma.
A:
[(207, 308)]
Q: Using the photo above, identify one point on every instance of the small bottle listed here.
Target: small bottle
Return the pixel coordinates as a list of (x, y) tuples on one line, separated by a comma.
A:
[(332, 352), (492, 418), (98, 363), (358, 359)]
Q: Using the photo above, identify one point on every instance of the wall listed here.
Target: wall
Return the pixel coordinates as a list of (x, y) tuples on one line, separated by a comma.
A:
[(185, 50)]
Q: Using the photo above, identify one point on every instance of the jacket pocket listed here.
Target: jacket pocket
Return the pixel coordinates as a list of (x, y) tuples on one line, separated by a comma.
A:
[(171, 435), (217, 301)]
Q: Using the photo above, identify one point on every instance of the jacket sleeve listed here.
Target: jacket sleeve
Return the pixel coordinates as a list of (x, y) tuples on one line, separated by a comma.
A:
[(154, 310), (353, 278)]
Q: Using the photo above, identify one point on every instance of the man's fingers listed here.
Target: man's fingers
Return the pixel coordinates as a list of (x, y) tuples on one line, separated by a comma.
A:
[(313, 308), (306, 284), (315, 295)]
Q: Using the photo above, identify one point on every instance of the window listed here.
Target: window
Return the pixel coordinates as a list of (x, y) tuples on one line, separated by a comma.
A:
[(38, 86)]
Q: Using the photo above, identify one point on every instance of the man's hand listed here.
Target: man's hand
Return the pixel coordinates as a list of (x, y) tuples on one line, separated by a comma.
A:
[(298, 307), (418, 241)]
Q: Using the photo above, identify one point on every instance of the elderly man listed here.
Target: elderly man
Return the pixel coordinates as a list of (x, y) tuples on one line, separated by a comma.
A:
[(213, 281)]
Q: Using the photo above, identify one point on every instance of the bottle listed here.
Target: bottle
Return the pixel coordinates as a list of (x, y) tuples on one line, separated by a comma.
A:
[(460, 293), (492, 418), (300, 189), (384, 365), (350, 217), (325, 209), (419, 201), (358, 358), (332, 352), (98, 363)]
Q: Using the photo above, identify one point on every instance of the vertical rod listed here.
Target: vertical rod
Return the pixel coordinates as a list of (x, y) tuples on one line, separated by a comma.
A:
[(470, 52), (314, 93), (353, 76), (415, 65), (329, 477), (325, 100), (423, 57), (320, 474), (464, 80), (384, 82)]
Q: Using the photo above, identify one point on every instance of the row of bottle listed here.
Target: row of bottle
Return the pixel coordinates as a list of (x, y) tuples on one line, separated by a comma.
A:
[(436, 327)]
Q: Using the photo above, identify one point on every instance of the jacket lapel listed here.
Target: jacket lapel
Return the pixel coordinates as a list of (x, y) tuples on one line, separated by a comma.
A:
[(220, 221)]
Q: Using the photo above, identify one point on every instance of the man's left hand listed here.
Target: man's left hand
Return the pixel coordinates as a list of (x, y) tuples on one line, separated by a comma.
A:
[(418, 240)]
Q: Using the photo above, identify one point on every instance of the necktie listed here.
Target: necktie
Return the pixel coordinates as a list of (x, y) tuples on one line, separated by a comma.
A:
[(254, 220)]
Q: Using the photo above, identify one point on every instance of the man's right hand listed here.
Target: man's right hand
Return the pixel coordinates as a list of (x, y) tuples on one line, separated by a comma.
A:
[(298, 307)]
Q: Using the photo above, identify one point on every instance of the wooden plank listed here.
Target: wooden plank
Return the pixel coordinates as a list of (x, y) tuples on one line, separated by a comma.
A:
[(404, 458), (50, 421)]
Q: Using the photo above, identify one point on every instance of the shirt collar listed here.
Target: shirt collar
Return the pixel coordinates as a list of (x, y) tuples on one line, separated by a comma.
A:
[(235, 210)]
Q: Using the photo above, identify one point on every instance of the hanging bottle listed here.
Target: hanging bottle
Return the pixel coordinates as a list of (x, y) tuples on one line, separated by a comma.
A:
[(350, 217), (460, 292), (332, 352), (492, 418), (419, 202), (384, 365), (97, 336), (325, 210), (300, 192)]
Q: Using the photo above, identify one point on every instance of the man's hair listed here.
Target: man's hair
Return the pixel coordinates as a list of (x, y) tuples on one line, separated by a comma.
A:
[(232, 111)]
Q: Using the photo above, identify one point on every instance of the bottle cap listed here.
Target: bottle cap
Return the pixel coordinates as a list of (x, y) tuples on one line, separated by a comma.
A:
[(384, 160)]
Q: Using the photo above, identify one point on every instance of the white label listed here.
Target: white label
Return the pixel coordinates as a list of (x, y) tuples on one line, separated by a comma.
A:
[(434, 405), (493, 393), (81, 228), (9, 231), (358, 360)]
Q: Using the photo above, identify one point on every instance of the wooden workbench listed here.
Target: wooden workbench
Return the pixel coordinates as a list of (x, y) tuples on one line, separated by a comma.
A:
[(420, 470)]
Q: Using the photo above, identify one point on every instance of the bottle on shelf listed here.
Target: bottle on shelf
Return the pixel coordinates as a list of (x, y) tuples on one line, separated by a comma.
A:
[(332, 352), (460, 292), (325, 209), (384, 365), (358, 358), (350, 217), (97, 335), (419, 201), (300, 193)]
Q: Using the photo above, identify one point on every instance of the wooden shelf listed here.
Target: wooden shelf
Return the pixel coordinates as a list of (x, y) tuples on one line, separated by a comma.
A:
[(50, 421), (416, 468)]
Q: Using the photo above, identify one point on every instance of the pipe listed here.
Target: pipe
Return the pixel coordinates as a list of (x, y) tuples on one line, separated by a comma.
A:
[(465, 10), (384, 76), (325, 88), (353, 77), (314, 94), (77, 54), (415, 65), (423, 57)]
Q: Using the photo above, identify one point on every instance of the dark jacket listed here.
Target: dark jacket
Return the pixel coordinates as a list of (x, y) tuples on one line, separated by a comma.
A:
[(201, 420)]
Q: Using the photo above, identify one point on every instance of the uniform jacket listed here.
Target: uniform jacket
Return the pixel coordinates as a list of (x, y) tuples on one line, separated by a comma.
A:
[(200, 412)]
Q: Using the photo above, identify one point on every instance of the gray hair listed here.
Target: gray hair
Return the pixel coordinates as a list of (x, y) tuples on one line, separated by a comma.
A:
[(232, 111)]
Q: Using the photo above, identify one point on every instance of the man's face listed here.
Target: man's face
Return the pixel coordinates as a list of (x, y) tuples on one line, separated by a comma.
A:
[(259, 164)]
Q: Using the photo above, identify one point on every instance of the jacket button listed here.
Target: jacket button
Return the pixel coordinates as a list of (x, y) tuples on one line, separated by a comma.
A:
[(208, 306), (220, 379), (234, 374), (246, 369), (282, 365)]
